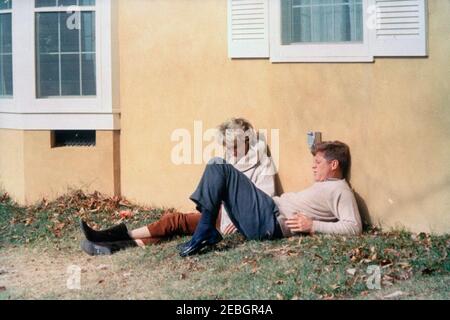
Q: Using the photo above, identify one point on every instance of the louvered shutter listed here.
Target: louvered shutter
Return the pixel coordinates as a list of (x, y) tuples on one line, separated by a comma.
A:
[(248, 28), (400, 28)]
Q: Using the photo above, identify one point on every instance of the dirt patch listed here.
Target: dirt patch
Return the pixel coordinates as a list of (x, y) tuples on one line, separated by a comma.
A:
[(36, 273)]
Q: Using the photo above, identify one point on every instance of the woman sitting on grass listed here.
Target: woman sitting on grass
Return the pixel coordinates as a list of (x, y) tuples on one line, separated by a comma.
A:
[(252, 160)]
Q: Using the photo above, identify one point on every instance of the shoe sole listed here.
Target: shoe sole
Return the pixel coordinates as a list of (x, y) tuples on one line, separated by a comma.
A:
[(186, 252), (93, 249)]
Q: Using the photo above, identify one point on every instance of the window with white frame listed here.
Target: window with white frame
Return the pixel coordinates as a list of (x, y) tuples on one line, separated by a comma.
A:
[(62, 65), (6, 82), (326, 30), (65, 48), (319, 30)]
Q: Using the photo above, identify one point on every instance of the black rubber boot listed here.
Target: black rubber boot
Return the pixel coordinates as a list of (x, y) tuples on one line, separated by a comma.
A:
[(105, 248), (116, 233)]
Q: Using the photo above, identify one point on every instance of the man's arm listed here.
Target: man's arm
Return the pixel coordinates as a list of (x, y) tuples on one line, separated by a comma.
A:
[(347, 213)]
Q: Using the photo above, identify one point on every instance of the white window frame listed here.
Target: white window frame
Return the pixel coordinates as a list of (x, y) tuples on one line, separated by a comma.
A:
[(8, 100), (25, 110), (317, 52)]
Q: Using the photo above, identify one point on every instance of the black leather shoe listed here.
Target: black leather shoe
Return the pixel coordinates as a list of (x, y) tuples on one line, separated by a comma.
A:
[(194, 246), (182, 246)]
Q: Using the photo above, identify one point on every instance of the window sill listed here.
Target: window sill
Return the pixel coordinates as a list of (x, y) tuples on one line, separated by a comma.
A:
[(322, 59), (60, 121)]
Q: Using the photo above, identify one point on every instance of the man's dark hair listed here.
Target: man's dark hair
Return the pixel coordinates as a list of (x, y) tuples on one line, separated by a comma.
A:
[(335, 150)]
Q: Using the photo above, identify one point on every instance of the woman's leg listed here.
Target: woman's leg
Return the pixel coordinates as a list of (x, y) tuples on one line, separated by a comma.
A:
[(170, 224), (140, 233)]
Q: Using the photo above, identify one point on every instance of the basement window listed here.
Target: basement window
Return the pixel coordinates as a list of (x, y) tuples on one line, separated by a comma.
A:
[(73, 138)]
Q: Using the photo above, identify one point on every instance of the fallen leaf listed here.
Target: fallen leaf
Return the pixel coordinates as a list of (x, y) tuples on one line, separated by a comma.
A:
[(351, 271), (125, 214), (394, 295), (102, 267), (387, 283), (335, 286), (4, 197)]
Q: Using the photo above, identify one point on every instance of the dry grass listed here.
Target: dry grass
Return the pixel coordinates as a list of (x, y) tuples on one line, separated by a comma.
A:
[(38, 244)]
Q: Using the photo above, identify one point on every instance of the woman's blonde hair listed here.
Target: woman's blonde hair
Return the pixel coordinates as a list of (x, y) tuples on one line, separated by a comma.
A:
[(235, 130)]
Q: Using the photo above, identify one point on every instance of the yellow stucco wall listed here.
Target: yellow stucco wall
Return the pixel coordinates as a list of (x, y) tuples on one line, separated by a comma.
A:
[(12, 178), (30, 169), (394, 113)]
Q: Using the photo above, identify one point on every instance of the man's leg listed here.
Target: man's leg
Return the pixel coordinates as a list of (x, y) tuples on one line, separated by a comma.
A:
[(251, 210)]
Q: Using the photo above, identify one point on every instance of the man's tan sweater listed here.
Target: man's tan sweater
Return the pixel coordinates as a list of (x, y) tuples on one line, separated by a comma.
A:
[(330, 204)]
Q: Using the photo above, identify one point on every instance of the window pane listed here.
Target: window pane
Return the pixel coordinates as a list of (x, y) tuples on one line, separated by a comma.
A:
[(45, 3), (48, 75), (57, 3), (70, 33), (5, 33), (67, 2), (88, 31), (5, 4), (66, 65), (6, 87), (87, 2), (47, 32), (70, 75), (322, 21), (88, 74), (301, 29)]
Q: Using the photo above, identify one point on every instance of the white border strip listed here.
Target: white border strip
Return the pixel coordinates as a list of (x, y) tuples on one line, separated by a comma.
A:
[(60, 121)]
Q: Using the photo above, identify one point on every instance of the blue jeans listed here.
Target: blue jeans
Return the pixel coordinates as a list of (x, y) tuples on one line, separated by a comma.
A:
[(252, 211)]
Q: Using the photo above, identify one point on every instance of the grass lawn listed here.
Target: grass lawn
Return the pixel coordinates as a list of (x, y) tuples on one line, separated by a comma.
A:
[(39, 246)]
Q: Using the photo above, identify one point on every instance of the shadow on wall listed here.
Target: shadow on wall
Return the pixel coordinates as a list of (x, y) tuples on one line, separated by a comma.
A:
[(278, 186), (360, 202), (363, 211)]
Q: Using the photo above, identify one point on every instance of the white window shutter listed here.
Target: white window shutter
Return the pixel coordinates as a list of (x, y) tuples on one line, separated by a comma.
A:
[(248, 28), (400, 28)]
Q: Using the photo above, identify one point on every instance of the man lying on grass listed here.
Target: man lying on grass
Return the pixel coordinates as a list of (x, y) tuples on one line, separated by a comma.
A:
[(328, 206)]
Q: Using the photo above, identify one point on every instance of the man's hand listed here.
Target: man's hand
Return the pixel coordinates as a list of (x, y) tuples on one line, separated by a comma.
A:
[(229, 229), (300, 223)]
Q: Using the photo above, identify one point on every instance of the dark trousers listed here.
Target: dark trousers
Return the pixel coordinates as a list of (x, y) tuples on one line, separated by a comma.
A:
[(252, 211)]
